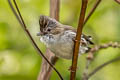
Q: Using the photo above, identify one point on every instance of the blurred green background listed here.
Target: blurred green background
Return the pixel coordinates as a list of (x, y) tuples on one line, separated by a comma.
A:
[(20, 61)]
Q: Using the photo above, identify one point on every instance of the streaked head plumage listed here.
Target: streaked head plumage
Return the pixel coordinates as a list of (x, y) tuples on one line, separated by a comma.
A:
[(46, 22)]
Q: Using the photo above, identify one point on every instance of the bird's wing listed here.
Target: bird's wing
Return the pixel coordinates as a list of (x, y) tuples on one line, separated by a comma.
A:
[(66, 27), (88, 38)]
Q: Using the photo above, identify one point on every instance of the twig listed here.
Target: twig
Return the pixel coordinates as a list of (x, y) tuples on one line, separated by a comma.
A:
[(102, 66), (86, 76), (46, 69), (22, 23), (78, 39), (118, 1), (85, 73), (99, 47), (92, 11)]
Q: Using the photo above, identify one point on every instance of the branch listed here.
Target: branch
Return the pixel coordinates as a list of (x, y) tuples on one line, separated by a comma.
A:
[(86, 76), (118, 1), (78, 39), (23, 25), (102, 66), (92, 11), (46, 69), (55, 9), (99, 47), (85, 73)]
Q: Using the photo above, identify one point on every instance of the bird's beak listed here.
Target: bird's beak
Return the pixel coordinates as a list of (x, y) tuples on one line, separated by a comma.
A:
[(39, 34)]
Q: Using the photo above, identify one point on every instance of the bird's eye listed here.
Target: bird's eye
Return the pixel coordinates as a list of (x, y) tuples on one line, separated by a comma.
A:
[(48, 29)]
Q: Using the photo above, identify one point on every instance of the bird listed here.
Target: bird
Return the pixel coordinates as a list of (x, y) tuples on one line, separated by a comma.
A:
[(59, 38)]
